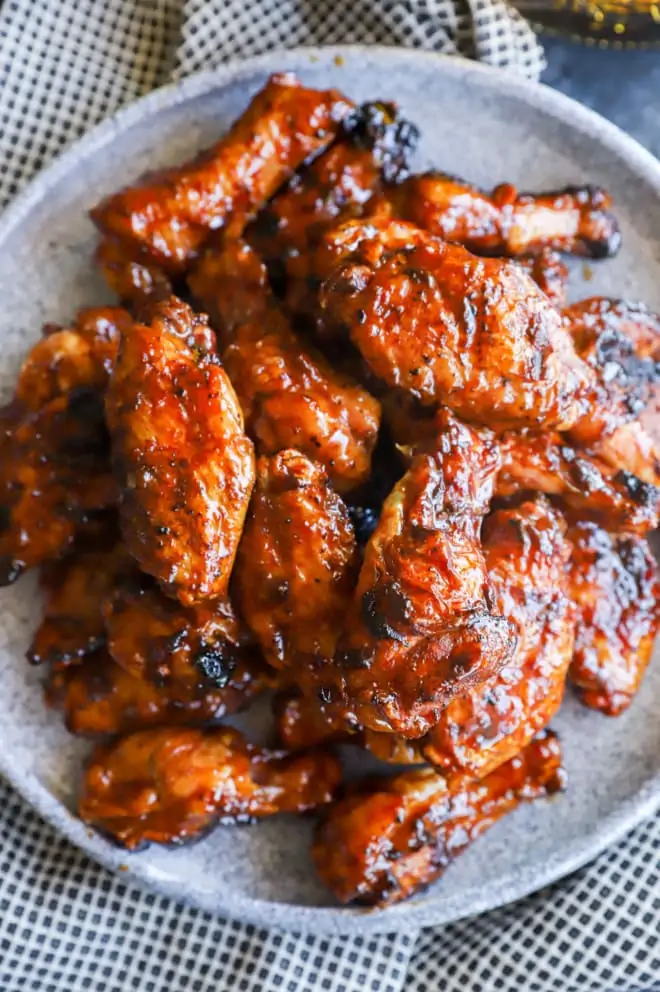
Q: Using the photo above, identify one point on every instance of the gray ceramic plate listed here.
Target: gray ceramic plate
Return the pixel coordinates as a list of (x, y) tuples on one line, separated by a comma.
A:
[(479, 124)]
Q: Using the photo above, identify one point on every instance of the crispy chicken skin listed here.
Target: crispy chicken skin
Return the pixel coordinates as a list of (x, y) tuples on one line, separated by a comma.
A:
[(164, 643), (395, 836), (576, 220), (130, 273), (547, 463), (54, 472), (475, 334), (297, 562), (76, 589), (169, 786), (420, 629), (614, 583), (99, 697), (184, 465), (290, 395), (621, 344), (171, 213), (526, 555), (372, 152)]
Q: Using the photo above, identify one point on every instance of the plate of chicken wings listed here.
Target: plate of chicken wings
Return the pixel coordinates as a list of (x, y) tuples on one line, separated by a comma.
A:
[(330, 466)]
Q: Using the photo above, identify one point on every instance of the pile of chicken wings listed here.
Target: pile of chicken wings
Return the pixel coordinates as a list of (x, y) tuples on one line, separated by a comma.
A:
[(344, 441)]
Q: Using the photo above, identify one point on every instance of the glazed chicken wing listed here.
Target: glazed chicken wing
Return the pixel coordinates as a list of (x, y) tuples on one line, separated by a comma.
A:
[(372, 152), (576, 220), (98, 696), (54, 472), (614, 583), (297, 562), (420, 629), (171, 213), (547, 463), (184, 465), (164, 643), (475, 334), (169, 786), (72, 358), (390, 839), (621, 344), (54, 454), (526, 556), (76, 590), (291, 397)]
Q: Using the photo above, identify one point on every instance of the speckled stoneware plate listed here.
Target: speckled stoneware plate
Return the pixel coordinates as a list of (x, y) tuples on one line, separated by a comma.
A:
[(477, 123)]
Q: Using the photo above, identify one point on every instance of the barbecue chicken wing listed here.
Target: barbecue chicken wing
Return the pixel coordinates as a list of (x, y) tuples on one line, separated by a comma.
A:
[(168, 785), (547, 463), (76, 589), (164, 643), (184, 465), (576, 220), (372, 152), (621, 344), (526, 556), (393, 837), (170, 214), (614, 583), (446, 327), (72, 358), (99, 697), (54, 453), (297, 563), (420, 629), (54, 473), (291, 397)]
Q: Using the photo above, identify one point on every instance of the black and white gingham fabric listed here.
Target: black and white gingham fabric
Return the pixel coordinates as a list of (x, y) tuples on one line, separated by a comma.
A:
[(66, 925)]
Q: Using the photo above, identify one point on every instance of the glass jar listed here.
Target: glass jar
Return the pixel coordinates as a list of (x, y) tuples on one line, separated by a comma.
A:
[(622, 23)]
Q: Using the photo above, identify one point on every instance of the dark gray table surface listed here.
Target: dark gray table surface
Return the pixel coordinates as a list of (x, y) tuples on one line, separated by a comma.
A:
[(621, 85)]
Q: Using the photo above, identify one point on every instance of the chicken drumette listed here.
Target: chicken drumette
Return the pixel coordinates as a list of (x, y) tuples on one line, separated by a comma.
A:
[(421, 629), (169, 786), (526, 554), (576, 220), (393, 837), (447, 327), (165, 219), (184, 465)]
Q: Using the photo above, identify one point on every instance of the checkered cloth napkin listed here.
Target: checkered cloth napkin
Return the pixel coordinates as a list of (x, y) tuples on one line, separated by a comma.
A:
[(67, 925)]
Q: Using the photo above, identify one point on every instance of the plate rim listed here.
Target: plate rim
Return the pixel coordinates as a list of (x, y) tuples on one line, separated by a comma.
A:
[(426, 910)]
